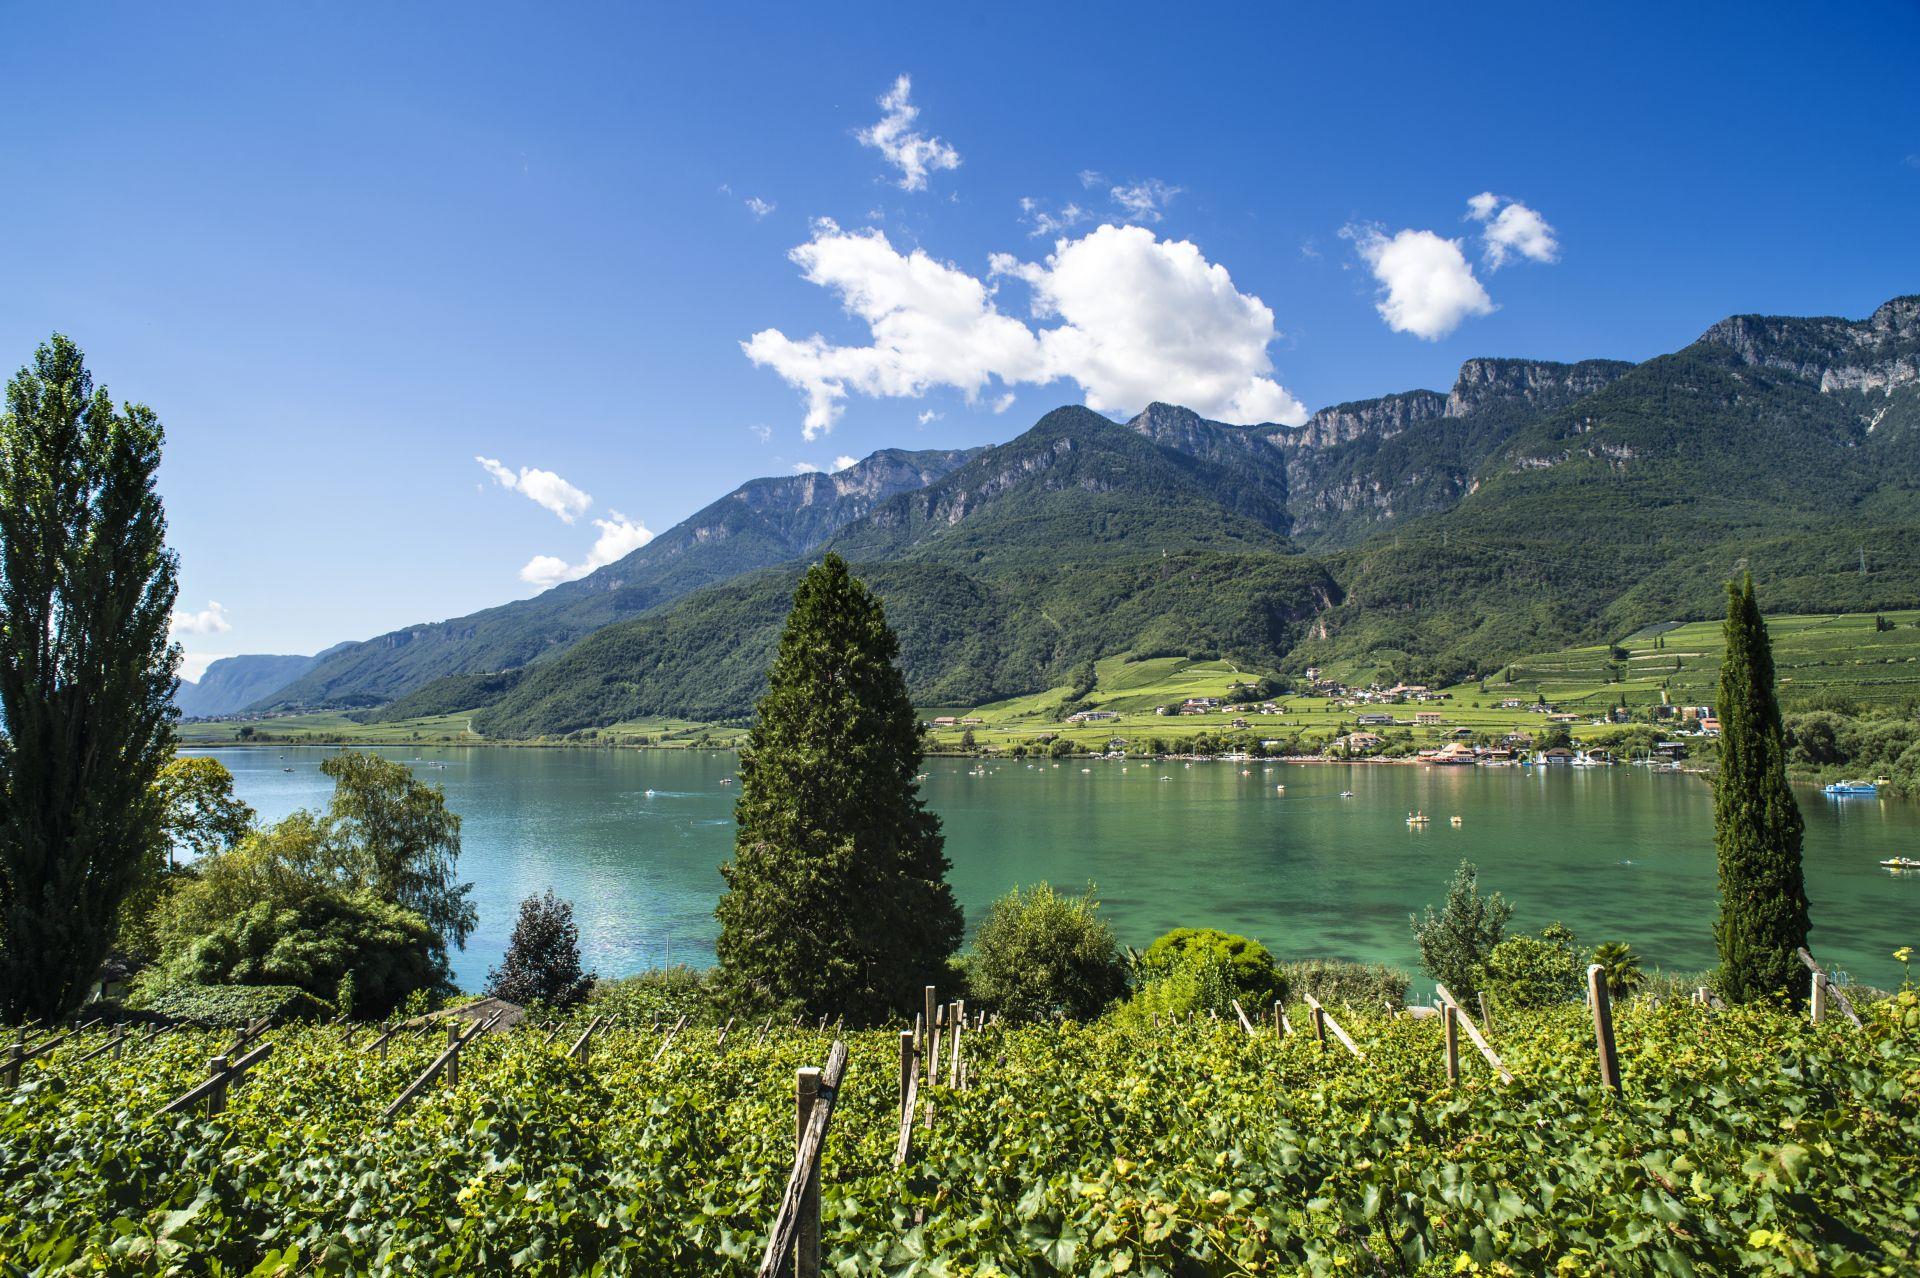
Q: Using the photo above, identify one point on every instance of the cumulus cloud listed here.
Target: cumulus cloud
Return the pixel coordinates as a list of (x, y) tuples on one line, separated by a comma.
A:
[(1509, 229), (619, 537), (929, 417), (542, 487), (211, 620), (903, 146), (1042, 221), (1139, 319), (805, 468), (759, 207), (1144, 201), (1426, 286), (843, 461)]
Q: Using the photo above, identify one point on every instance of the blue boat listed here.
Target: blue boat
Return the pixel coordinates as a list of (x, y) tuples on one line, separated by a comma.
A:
[(1844, 788)]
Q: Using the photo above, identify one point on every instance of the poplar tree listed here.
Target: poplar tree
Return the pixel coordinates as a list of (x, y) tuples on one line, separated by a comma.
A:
[(836, 900), (87, 588), (1756, 822)]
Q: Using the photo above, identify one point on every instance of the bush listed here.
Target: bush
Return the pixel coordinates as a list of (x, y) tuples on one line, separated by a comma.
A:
[(1201, 982), (1455, 943), (314, 942), (1041, 956), (230, 1006), (1364, 985), (1250, 969), (543, 958), (666, 993), (1524, 973)]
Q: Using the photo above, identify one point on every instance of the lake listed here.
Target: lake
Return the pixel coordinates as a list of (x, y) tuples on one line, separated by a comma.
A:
[(635, 838)]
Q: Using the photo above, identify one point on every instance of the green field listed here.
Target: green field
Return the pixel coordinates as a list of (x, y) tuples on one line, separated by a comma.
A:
[(1830, 655), (335, 728)]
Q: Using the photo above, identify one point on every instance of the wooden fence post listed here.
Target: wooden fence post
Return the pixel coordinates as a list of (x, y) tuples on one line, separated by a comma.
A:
[(1486, 1014), (725, 1030), (1241, 1012), (1819, 1001), (926, 1021), (1319, 1015), (1479, 1041), (1448, 1016), (1825, 989), (806, 1243), (217, 1098), (453, 1066), (906, 1067), (959, 1020), (1603, 1026)]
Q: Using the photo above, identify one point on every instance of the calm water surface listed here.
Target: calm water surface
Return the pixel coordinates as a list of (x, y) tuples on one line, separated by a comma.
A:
[(635, 839)]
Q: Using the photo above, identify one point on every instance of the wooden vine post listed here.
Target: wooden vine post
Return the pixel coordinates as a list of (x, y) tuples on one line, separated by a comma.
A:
[(928, 1039), (956, 1022), (1323, 1021), (1281, 1025), (1824, 990), (1479, 1040), (1603, 1026), (796, 1227), (1245, 1024), (1448, 1017)]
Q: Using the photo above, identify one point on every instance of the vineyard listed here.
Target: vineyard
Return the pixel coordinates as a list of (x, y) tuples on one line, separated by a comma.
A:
[(1740, 1141)]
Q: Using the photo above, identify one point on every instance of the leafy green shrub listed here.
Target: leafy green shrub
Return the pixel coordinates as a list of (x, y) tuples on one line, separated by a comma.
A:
[(1201, 982), (1039, 956), (662, 993), (1368, 985), (313, 943), (1524, 973), (1254, 975), (543, 957), (230, 1006), (1455, 942)]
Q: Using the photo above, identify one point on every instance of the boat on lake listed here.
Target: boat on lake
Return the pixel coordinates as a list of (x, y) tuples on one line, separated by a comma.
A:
[(1417, 818), (1902, 863), (1841, 789)]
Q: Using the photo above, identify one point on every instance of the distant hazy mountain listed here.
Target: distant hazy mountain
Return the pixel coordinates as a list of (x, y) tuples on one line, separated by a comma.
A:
[(233, 683), (761, 523), (1423, 533)]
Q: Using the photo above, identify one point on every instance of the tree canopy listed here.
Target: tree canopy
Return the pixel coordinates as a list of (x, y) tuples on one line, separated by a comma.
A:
[(836, 898), (87, 588)]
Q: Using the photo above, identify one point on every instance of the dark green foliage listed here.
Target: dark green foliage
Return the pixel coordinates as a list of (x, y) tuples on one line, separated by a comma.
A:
[(1867, 742), (1756, 822), (234, 1006), (1254, 975), (87, 588), (543, 957), (1527, 972), (1455, 943), (313, 943), (1039, 955), (448, 695), (836, 895), (659, 994), (1622, 966), (1367, 985), (406, 840)]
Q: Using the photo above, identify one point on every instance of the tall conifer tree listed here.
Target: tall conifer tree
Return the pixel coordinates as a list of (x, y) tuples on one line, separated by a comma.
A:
[(836, 899), (1756, 822), (86, 674)]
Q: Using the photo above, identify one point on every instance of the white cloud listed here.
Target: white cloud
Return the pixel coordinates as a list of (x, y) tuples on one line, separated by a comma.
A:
[(211, 620), (1426, 286), (193, 665), (929, 417), (762, 432), (843, 461), (905, 148), (1042, 222), (759, 207), (805, 468), (1144, 201), (1140, 319), (1513, 229), (543, 487), (619, 537), (1091, 178)]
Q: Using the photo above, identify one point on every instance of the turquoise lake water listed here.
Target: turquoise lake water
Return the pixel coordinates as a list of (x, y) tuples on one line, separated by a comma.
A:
[(1615, 853)]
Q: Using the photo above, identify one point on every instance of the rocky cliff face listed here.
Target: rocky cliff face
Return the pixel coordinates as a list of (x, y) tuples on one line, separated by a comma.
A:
[(1534, 384), (1381, 418), (1878, 354)]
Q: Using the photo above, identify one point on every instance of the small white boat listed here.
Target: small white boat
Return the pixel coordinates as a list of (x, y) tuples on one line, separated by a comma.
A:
[(1417, 818), (649, 794), (1454, 821), (1844, 788), (1901, 863), (1346, 794)]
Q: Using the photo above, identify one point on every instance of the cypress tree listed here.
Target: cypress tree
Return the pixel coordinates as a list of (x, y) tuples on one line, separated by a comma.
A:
[(1756, 822), (86, 674), (836, 900)]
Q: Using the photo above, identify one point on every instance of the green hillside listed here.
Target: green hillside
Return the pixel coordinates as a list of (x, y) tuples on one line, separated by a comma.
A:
[(1821, 659)]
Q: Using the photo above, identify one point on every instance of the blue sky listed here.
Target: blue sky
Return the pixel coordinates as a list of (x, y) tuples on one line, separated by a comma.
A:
[(345, 252)]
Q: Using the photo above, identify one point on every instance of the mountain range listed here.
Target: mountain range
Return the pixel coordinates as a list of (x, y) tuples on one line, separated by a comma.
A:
[(1421, 534)]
